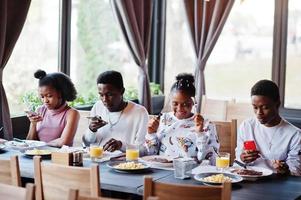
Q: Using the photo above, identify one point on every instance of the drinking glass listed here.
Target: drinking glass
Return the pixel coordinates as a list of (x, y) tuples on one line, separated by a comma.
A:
[(222, 161), (96, 151), (132, 152), (183, 167)]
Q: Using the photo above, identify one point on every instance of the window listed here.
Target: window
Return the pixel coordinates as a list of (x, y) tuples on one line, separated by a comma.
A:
[(36, 48), (97, 45), (293, 69), (243, 53), (179, 51)]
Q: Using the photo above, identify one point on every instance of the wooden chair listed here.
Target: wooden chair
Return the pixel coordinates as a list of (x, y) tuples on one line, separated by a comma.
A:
[(82, 127), (74, 195), (166, 191), (239, 111), (53, 181), (214, 109), (10, 171), (10, 192), (227, 133)]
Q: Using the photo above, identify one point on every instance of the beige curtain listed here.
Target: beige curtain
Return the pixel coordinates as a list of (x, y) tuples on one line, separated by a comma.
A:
[(206, 19), (134, 18), (12, 17)]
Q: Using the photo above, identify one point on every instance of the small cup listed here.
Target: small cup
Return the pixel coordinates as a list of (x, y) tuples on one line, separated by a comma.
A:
[(183, 167), (96, 151), (250, 145), (222, 161), (132, 152)]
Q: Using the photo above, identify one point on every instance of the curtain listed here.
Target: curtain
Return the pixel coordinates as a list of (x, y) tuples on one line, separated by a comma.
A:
[(206, 19), (134, 18), (12, 17)]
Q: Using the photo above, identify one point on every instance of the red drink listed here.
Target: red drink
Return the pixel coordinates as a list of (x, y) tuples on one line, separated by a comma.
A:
[(250, 145)]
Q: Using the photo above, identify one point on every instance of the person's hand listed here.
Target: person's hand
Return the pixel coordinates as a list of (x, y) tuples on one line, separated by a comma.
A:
[(153, 125), (281, 167), (199, 123), (96, 123), (112, 145), (34, 118), (249, 156)]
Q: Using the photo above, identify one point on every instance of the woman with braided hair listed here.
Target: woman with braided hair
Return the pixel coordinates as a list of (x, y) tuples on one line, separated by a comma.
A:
[(182, 133)]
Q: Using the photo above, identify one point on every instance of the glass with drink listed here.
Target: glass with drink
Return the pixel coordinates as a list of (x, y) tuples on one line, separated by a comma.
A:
[(96, 151), (222, 160), (132, 152)]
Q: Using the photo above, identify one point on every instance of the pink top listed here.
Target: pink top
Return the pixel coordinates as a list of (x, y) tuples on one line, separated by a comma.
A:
[(53, 123)]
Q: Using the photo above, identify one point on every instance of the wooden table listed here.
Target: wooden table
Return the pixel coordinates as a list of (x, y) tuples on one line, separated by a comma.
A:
[(273, 187)]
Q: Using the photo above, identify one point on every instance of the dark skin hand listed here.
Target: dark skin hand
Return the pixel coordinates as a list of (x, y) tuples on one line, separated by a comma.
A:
[(96, 123), (249, 156), (112, 145), (281, 167)]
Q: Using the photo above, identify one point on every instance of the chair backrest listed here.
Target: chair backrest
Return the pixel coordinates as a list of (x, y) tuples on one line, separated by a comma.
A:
[(74, 195), (81, 128), (10, 171), (188, 192), (239, 111), (227, 133), (214, 110), (53, 181), (10, 192)]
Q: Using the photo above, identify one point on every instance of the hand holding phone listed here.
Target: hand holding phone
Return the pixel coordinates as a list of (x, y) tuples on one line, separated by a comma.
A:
[(96, 123), (250, 145), (31, 113)]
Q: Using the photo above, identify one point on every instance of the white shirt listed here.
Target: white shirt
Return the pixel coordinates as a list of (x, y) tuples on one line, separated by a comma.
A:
[(129, 126), (280, 142), (178, 138)]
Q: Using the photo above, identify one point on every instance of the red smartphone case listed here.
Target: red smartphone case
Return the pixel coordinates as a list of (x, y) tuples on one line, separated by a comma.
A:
[(250, 145)]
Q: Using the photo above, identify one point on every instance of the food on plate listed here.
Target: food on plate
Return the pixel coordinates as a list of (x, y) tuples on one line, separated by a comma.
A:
[(247, 172), (38, 152), (129, 165), (218, 178)]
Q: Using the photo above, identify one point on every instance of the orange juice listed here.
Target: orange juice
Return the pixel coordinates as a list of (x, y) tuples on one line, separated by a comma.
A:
[(96, 151), (222, 162), (132, 154)]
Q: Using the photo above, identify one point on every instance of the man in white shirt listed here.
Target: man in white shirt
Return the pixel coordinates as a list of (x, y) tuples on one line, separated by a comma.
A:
[(278, 143), (115, 122)]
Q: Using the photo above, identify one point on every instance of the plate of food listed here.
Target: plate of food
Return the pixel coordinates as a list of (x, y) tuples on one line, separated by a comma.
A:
[(158, 161), (128, 166), (44, 153), (23, 145), (217, 178), (252, 172)]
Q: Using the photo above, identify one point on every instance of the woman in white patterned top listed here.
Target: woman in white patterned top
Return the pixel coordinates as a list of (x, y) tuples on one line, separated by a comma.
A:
[(181, 133)]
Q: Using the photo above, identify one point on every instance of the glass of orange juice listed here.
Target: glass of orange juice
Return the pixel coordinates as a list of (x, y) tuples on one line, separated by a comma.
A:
[(132, 152), (96, 151), (222, 160)]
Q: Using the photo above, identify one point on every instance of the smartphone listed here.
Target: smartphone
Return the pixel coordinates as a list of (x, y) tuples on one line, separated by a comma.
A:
[(31, 113), (94, 118), (250, 145)]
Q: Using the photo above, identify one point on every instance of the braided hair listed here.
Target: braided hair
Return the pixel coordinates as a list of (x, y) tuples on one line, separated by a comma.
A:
[(184, 83)]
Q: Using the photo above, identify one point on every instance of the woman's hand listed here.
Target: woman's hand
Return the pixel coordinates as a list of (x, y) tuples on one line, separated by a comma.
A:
[(112, 145), (281, 167), (153, 125), (34, 119), (199, 123), (96, 123), (249, 156)]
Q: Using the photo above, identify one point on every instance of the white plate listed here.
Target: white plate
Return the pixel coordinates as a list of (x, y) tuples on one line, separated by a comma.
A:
[(2, 147), (154, 161), (26, 145), (113, 165), (265, 172), (200, 177)]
